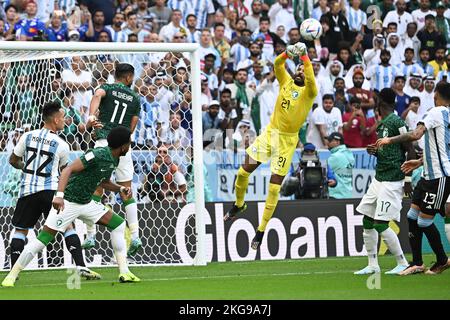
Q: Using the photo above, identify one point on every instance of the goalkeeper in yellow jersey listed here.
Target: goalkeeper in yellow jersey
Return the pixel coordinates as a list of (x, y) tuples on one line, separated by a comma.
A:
[(279, 140)]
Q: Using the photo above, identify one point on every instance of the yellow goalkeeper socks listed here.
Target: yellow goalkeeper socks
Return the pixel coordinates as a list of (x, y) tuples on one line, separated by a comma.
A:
[(271, 204), (241, 186)]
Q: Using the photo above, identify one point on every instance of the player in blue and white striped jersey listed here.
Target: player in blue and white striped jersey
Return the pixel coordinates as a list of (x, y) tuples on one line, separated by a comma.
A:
[(41, 154), (433, 189), (382, 75)]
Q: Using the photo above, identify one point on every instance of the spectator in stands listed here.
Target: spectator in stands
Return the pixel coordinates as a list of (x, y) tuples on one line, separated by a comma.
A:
[(442, 24), (75, 127), (204, 10), (208, 70), (341, 162), (427, 95), (320, 10), (161, 15), (175, 136), (367, 102), (165, 181), (79, 81), (410, 114), (11, 22), (345, 57), (384, 68), (372, 56), (339, 29), (242, 138), (429, 37), (424, 57), (408, 65), (391, 28), (354, 124), (210, 118), (410, 40), (99, 25), (168, 31), (399, 16), (145, 17), (57, 30), (281, 14), (115, 29), (243, 94), (30, 27), (357, 19), (420, 15), (206, 47), (401, 99), (193, 34), (220, 43), (253, 19), (439, 62), (132, 26), (413, 83), (268, 36), (323, 122), (395, 48), (227, 113)]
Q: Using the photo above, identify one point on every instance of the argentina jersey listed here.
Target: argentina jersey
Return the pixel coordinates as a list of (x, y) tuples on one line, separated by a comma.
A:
[(436, 162), (356, 19), (443, 75), (382, 77), (117, 36), (43, 154), (407, 70)]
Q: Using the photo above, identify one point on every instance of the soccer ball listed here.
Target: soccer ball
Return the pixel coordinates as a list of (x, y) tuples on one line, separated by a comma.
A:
[(310, 29)]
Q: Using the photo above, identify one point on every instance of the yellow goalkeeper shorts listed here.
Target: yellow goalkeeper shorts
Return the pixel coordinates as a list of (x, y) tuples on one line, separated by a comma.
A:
[(276, 146)]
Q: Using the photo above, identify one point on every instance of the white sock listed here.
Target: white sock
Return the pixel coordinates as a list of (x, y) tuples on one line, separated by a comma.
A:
[(120, 247), (370, 237), (131, 214), (447, 231), (91, 231), (393, 245), (35, 246)]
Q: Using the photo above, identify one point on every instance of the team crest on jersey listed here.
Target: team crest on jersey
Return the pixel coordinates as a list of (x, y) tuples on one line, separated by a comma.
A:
[(295, 95), (385, 132)]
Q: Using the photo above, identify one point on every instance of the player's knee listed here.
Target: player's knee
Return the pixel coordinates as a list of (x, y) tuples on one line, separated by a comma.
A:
[(367, 222), (381, 226), (413, 214), (45, 237), (424, 222)]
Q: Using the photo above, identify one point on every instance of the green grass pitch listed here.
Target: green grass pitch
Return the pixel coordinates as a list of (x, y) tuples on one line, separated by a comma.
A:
[(329, 278)]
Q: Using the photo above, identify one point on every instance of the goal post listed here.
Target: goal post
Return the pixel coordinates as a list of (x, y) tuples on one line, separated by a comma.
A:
[(35, 62)]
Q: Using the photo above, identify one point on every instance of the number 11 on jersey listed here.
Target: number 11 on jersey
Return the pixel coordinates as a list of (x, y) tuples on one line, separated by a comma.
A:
[(117, 103)]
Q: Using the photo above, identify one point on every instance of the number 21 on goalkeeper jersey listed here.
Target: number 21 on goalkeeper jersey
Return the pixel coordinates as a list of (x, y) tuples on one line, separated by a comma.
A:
[(43, 154)]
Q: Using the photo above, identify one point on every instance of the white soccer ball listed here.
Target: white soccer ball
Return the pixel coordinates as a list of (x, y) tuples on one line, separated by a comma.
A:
[(310, 29)]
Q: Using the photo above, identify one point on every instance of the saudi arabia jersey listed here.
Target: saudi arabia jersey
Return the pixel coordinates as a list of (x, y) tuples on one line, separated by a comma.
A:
[(98, 166), (293, 102), (117, 108), (390, 157), (43, 154)]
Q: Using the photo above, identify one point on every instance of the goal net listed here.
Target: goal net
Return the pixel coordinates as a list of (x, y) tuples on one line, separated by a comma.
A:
[(168, 134)]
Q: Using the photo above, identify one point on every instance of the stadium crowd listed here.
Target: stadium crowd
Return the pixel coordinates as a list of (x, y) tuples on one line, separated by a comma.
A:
[(366, 45)]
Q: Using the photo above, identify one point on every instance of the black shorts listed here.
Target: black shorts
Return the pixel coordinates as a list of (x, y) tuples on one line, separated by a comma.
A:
[(431, 195), (30, 208)]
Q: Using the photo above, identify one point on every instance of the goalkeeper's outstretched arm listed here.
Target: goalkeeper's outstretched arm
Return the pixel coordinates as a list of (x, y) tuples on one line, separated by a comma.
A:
[(310, 80), (279, 67)]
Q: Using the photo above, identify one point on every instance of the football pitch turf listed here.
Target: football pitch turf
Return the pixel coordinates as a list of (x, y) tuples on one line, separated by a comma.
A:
[(326, 278)]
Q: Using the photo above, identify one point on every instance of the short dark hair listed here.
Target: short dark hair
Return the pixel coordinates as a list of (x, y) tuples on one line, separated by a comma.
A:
[(385, 51), (209, 55), (50, 109), (9, 6), (424, 49), (118, 136), (123, 69), (132, 13), (414, 98), (264, 19), (429, 17), (392, 23), (190, 15), (218, 24), (443, 88), (226, 90), (355, 99), (328, 97)]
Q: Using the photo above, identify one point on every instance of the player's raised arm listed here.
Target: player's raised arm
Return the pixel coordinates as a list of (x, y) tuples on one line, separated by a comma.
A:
[(279, 66), (310, 80), (93, 107)]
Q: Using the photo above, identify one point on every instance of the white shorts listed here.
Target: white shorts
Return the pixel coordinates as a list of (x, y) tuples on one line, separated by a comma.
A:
[(124, 171), (383, 200), (89, 213)]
